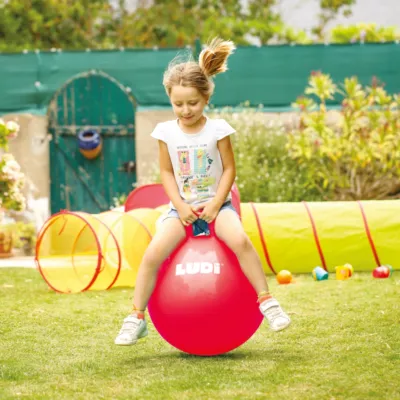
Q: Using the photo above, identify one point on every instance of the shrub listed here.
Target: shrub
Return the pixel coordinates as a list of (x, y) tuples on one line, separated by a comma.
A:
[(24, 235), (364, 33), (358, 157), (12, 179), (265, 172)]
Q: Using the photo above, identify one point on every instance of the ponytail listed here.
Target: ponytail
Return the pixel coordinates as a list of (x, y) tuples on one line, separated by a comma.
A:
[(213, 59)]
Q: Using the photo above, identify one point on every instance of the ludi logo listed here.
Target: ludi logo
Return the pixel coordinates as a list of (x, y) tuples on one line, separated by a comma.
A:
[(197, 268)]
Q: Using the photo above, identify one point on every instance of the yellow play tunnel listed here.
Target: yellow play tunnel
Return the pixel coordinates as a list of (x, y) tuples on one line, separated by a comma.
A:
[(78, 251), (300, 236)]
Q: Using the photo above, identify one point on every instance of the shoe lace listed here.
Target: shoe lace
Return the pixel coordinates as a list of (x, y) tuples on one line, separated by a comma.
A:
[(129, 326), (273, 313)]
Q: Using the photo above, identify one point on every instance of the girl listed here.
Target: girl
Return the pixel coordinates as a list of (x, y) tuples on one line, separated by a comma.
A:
[(189, 87)]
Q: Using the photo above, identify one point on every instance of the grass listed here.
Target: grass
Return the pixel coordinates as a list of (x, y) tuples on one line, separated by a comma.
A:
[(344, 343)]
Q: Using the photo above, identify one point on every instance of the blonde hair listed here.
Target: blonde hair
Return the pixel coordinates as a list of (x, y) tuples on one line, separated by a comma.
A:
[(212, 61)]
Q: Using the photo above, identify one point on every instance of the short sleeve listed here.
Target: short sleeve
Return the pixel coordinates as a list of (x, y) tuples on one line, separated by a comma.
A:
[(159, 132), (223, 129)]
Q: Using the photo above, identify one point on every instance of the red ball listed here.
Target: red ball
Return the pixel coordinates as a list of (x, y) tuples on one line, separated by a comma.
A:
[(381, 272), (203, 304)]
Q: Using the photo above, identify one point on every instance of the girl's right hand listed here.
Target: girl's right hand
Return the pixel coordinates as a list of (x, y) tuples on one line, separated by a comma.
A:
[(186, 214)]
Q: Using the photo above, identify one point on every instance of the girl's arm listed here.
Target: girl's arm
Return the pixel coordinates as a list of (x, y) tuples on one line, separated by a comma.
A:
[(185, 212), (229, 167), (211, 208), (167, 175)]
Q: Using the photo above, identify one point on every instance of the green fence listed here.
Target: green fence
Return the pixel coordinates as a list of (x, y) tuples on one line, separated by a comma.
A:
[(272, 76)]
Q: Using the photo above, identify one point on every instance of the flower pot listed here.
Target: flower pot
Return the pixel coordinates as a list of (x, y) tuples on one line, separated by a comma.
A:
[(90, 143)]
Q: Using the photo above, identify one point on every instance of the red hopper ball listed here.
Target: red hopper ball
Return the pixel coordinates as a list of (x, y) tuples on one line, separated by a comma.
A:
[(203, 304)]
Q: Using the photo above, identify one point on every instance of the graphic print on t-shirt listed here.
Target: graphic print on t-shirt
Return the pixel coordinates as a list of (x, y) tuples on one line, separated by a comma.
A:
[(195, 182), (200, 161), (202, 186), (184, 162)]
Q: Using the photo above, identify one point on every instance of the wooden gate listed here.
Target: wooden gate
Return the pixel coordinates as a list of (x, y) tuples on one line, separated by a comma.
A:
[(91, 101)]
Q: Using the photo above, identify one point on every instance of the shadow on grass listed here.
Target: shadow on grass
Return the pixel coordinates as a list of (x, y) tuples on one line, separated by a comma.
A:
[(273, 355)]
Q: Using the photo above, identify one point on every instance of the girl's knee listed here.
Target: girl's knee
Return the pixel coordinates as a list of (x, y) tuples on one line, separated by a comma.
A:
[(241, 243), (151, 258)]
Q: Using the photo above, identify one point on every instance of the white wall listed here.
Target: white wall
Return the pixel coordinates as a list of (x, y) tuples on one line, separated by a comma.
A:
[(302, 14)]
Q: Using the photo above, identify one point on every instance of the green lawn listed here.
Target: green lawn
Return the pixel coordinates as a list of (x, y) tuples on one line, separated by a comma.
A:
[(344, 343)]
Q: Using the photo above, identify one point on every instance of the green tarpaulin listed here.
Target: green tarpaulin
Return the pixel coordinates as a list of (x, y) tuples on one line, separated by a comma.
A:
[(273, 76)]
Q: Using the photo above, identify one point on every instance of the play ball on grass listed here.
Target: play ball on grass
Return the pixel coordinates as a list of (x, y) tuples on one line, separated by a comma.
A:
[(284, 277), (381, 272)]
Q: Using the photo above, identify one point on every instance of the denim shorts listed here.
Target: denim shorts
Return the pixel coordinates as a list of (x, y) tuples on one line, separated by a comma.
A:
[(172, 213), (200, 227)]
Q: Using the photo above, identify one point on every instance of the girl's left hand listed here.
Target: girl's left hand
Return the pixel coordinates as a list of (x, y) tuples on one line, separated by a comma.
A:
[(210, 211)]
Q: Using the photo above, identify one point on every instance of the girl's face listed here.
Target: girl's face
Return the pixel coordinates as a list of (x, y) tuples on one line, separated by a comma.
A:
[(188, 104)]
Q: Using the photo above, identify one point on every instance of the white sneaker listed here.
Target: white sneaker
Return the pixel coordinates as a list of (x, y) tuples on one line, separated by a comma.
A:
[(132, 330), (274, 314)]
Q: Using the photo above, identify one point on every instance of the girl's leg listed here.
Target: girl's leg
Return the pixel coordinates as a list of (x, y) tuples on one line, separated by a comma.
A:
[(229, 229), (170, 233), (168, 236)]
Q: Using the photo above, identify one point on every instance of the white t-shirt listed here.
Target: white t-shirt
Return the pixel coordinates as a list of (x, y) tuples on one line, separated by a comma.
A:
[(195, 157)]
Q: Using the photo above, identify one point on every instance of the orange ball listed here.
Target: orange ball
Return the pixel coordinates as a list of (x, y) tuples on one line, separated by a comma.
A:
[(284, 277)]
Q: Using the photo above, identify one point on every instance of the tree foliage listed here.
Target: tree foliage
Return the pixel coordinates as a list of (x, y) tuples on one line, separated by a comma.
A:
[(46, 24), (330, 9), (105, 24), (176, 23)]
